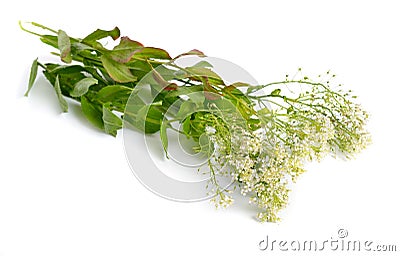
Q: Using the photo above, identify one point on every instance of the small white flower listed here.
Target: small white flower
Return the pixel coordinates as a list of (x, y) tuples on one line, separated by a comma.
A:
[(210, 130)]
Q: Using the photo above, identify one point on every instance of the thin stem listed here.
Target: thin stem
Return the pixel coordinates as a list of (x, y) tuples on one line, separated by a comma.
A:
[(43, 27), (27, 30)]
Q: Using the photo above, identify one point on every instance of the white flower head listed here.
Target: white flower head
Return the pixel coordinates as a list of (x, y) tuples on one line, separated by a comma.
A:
[(210, 130)]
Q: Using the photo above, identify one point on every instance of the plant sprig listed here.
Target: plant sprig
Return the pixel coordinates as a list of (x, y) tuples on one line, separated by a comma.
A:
[(261, 136)]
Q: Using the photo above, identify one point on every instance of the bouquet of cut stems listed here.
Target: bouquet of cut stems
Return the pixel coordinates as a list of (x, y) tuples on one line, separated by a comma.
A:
[(260, 136)]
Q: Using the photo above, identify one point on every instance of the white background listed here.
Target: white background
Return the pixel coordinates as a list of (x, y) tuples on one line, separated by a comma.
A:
[(66, 189)]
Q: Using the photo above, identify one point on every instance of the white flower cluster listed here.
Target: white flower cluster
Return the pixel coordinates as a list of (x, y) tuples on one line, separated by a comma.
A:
[(263, 161)]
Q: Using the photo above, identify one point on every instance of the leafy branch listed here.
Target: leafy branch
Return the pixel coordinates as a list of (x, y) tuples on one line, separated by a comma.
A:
[(263, 134)]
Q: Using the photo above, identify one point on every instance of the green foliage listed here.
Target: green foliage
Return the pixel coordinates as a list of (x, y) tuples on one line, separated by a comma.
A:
[(93, 112), (32, 76), (112, 123), (82, 87), (61, 100), (64, 45), (118, 72), (163, 136), (100, 34)]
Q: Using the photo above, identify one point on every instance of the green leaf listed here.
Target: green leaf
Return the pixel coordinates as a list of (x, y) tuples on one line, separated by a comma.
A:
[(67, 80), (61, 100), (74, 69), (203, 64), (92, 112), (254, 123), (89, 56), (64, 45), (82, 87), (240, 84), (50, 40), (164, 136), (124, 51), (65, 69), (276, 92), (139, 68), (209, 92), (117, 71), (32, 76), (235, 95), (159, 79), (151, 53), (192, 52), (265, 115), (95, 74), (78, 47), (186, 108), (115, 94), (148, 118), (185, 90), (169, 74), (198, 98), (212, 77), (100, 34), (139, 65), (112, 123), (186, 127)]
